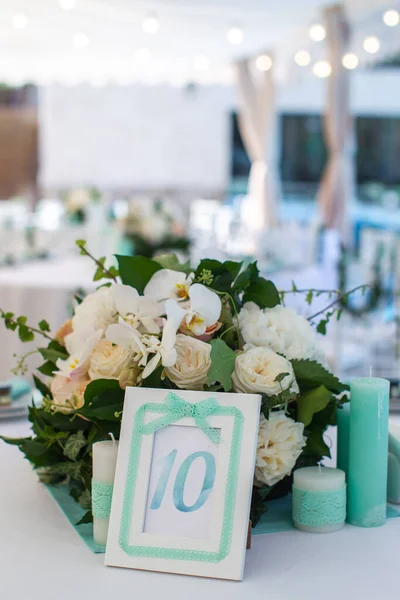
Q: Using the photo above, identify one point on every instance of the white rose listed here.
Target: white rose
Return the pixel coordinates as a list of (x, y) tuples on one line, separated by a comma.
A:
[(256, 370), (281, 329), (280, 442), (96, 311), (192, 364), (109, 361)]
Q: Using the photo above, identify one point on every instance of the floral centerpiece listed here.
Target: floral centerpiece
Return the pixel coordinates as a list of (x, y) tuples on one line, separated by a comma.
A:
[(159, 323), (78, 202), (152, 228)]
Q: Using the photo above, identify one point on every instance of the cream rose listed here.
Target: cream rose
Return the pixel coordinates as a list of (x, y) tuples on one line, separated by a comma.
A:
[(256, 370), (280, 442), (109, 361), (192, 364), (280, 329)]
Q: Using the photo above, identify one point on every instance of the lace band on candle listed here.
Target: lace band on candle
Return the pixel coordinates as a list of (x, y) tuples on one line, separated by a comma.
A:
[(319, 508), (101, 499)]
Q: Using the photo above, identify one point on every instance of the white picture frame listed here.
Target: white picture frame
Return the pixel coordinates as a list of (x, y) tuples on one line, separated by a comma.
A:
[(183, 482)]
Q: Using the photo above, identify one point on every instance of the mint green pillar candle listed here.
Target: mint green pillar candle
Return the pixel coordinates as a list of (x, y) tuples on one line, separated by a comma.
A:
[(368, 452), (393, 488), (343, 437)]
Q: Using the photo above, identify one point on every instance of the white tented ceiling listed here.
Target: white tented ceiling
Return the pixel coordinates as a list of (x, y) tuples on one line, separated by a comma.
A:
[(103, 40)]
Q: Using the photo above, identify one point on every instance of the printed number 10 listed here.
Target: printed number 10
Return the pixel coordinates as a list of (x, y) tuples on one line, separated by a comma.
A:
[(180, 481)]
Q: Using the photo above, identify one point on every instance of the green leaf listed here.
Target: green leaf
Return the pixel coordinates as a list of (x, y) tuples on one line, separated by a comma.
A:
[(22, 320), (74, 445), (171, 261), (103, 398), (154, 379), (43, 389), (87, 518), (53, 352), (311, 374), (68, 469), (321, 327), (247, 276), (222, 364), (311, 402), (25, 334), (39, 454), (223, 273), (263, 293), (14, 441), (85, 499), (48, 368), (137, 271), (281, 377), (316, 446), (44, 326), (309, 297)]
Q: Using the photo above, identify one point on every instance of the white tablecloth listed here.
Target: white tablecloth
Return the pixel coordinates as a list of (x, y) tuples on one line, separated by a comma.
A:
[(42, 558), (39, 290)]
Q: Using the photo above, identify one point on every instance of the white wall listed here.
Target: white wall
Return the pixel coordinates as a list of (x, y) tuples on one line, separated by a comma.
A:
[(149, 138), (141, 137)]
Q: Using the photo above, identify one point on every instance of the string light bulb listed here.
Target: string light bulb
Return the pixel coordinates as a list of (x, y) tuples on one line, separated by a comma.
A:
[(371, 44), (322, 69), (235, 35), (302, 58), (151, 24), (19, 21), (317, 32), (350, 61), (391, 18), (67, 4), (263, 62)]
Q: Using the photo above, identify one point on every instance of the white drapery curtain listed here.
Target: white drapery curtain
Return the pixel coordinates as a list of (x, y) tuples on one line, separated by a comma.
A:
[(337, 185), (258, 128)]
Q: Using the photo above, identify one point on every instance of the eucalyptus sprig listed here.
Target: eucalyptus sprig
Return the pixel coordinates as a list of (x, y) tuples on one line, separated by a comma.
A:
[(26, 332), (102, 272)]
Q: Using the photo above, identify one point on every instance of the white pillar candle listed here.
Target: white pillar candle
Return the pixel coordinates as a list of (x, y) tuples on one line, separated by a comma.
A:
[(319, 499), (104, 464)]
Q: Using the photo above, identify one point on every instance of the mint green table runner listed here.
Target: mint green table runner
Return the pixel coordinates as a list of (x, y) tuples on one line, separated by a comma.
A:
[(277, 519)]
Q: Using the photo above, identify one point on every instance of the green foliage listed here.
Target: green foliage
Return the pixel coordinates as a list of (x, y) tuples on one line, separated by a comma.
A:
[(310, 374), (222, 364), (44, 326), (87, 518), (263, 293), (223, 274), (311, 402), (53, 352), (316, 446), (154, 379), (42, 387), (103, 399), (75, 443), (137, 271), (171, 261)]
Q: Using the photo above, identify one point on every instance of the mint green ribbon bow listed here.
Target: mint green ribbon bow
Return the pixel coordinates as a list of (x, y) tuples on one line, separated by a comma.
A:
[(176, 409)]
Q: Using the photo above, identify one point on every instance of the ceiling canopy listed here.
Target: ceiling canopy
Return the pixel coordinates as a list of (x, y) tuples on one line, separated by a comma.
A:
[(174, 41)]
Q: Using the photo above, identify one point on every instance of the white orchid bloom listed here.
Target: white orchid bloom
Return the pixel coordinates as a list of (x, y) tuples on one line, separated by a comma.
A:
[(138, 311), (204, 311), (166, 283), (144, 345), (80, 346), (164, 349)]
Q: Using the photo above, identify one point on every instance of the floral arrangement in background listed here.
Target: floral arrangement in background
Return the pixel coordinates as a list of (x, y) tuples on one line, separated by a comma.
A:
[(152, 228), (78, 202), (159, 323)]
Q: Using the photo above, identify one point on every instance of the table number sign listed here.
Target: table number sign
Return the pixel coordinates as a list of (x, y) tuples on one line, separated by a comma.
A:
[(182, 491)]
